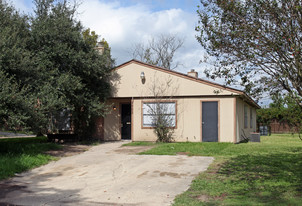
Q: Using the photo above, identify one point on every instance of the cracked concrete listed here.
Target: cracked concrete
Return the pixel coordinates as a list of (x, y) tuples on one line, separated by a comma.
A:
[(105, 175)]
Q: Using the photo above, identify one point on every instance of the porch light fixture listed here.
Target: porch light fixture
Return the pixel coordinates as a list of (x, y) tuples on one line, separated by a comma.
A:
[(114, 107), (143, 78)]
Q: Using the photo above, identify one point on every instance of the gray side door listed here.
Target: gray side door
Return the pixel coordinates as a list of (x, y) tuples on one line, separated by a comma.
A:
[(210, 121)]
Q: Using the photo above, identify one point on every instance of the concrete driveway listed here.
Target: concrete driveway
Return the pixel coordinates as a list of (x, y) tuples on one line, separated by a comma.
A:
[(13, 135), (107, 174)]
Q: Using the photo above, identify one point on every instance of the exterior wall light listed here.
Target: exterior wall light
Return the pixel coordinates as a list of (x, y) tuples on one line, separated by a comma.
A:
[(114, 107), (143, 78), (142, 75)]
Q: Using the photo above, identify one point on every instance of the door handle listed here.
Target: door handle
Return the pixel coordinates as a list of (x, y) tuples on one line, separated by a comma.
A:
[(202, 122), (128, 122)]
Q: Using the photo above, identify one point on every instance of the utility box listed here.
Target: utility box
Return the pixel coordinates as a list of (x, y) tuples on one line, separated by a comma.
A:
[(263, 130), (255, 137)]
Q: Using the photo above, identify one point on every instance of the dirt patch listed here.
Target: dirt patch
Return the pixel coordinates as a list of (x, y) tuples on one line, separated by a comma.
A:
[(69, 150), (214, 171), (132, 149), (206, 198), (221, 197), (203, 198)]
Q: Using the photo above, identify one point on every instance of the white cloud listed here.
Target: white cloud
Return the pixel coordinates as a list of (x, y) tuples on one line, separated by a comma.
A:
[(109, 20), (21, 5), (124, 26)]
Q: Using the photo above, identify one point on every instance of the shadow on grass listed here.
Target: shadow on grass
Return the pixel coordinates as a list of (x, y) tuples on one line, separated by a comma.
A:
[(35, 145), (266, 178), (21, 154)]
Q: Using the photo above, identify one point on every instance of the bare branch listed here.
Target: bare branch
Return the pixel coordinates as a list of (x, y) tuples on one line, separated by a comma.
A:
[(159, 51)]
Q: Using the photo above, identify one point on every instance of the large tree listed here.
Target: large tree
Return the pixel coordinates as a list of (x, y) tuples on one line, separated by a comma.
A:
[(73, 75), (16, 102), (47, 65), (159, 51), (15, 113), (256, 43)]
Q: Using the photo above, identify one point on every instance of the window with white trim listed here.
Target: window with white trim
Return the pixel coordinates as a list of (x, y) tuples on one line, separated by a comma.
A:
[(245, 117), (152, 111)]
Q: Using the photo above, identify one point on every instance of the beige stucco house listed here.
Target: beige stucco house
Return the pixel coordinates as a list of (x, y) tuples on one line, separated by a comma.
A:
[(201, 110)]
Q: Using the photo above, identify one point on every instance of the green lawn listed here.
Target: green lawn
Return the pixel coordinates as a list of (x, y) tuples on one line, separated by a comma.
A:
[(21, 154), (266, 173)]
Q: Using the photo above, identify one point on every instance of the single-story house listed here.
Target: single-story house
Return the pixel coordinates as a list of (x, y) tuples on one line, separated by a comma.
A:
[(201, 111)]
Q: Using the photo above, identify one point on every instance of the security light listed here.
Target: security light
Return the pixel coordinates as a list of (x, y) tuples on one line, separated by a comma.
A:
[(142, 76)]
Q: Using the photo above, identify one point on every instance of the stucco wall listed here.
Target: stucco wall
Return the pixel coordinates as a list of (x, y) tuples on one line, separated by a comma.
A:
[(188, 120), (241, 130), (126, 82), (227, 119)]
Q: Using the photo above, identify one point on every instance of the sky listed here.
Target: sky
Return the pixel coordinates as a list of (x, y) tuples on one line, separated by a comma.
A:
[(124, 23)]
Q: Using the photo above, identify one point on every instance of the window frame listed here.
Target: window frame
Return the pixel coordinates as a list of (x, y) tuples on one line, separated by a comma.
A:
[(160, 101)]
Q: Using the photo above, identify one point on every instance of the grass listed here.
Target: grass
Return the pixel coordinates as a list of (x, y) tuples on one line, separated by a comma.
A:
[(21, 154), (266, 173)]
